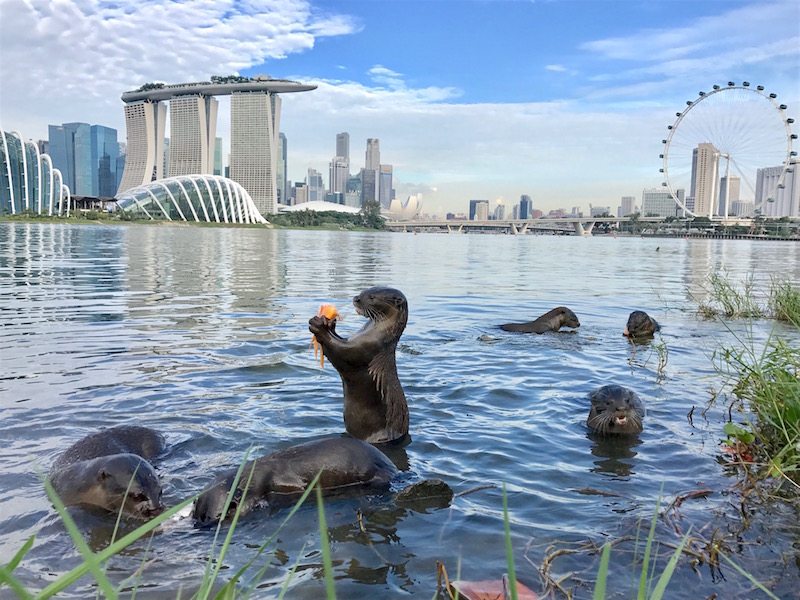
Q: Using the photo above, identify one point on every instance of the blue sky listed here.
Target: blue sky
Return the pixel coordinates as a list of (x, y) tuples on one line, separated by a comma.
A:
[(566, 101)]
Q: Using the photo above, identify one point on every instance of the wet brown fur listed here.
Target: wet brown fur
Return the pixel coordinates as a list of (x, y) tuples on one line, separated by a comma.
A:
[(375, 408), (615, 410), (550, 321)]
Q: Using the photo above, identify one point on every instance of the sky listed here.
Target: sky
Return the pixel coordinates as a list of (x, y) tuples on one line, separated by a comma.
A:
[(566, 101)]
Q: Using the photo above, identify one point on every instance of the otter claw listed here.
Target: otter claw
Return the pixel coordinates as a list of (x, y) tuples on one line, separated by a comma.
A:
[(329, 312)]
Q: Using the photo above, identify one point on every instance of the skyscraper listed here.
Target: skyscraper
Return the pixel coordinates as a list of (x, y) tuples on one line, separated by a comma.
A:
[(707, 180), (725, 202), (373, 162), (339, 174), (255, 119), (385, 186), (343, 145), (218, 156), (474, 211), (104, 151), (192, 127), (87, 156), (627, 205), (280, 176), (525, 207), (316, 188), (369, 185), (145, 122)]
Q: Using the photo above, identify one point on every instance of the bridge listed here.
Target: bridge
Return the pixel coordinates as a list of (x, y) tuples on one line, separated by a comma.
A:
[(554, 225)]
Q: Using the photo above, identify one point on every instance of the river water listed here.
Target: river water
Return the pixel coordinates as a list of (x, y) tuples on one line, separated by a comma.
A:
[(202, 334)]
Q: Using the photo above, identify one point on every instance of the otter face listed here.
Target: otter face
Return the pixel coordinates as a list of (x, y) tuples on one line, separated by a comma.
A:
[(615, 410), (640, 325), (378, 303), (143, 498), (568, 318), (209, 506)]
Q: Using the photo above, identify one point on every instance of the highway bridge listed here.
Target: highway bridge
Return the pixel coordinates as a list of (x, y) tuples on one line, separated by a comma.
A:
[(554, 225)]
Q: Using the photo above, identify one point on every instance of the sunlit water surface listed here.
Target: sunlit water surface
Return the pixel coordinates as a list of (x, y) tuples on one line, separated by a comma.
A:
[(203, 335)]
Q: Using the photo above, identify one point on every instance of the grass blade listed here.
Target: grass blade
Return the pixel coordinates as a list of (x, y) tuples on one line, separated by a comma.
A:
[(512, 577), (602, 574), (330, 591), (749, 577), (658, 591), (89, 557), (15, 584), (646, 559), (20, 554)]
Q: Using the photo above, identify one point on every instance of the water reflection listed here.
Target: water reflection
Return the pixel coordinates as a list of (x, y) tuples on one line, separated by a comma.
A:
[(615, 453)]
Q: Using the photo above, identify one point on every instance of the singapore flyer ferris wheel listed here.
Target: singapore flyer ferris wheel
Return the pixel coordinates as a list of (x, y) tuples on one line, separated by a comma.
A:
[(729, 153)]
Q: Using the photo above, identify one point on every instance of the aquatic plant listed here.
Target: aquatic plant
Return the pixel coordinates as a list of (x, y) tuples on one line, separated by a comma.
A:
[(726, 299), (784, 301)]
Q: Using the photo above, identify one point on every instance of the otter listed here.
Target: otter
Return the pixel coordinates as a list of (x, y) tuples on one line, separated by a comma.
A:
[(640, 325), (615, 410), (550, 321), (375, 408), (347, 464), (97, 471)]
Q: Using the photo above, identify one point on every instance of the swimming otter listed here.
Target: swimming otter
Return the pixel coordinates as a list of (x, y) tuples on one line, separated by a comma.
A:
[(640, 325), (346, 463), (550, 321), (97, 470), (375, 408), (615, 409)]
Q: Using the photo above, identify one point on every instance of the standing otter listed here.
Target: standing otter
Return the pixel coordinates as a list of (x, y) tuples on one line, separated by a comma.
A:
[(550, 321), (97, 470), (640, 325), (346, 463), (375, 408), (615, 409)]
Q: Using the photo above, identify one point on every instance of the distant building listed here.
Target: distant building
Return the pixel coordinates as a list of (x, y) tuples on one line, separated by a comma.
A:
[(316, 187), (473, 208), (627, 205), (300, 193), (218, 156), (499, 212), (281, 179), (659, 202), (599, 211), (165, 159), (741, 208), (707, 181), (339, 174), (255, 115), (192, 125), (537, 214), (369, 185), (385, 189), (352, 195), (88, 156), (525, 207), (786, 200), (482, 211), (725, 204), (373, 163), (343, 145)]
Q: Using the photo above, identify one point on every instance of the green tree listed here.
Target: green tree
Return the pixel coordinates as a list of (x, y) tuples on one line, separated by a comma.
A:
[(371, 215)]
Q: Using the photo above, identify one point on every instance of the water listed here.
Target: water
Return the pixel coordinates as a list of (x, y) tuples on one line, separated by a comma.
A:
[(202, 334)]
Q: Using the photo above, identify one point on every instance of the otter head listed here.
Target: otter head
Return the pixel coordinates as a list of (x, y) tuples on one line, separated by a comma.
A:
[(640, 325), (382, 303), (568, 318), (615, 409), (128, 482), (209, 506)]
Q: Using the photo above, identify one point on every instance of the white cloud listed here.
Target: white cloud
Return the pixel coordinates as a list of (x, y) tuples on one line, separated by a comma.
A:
[(556, 68), (69, 60)]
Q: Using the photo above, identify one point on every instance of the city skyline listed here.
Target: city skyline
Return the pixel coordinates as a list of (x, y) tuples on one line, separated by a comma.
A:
[(568, 106)]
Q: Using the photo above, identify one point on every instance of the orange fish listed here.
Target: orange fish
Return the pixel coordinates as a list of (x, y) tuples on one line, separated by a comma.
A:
[(329, 311)]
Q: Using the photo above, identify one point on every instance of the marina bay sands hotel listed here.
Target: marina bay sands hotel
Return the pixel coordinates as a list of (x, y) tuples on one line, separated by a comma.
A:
[(255, 123)]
